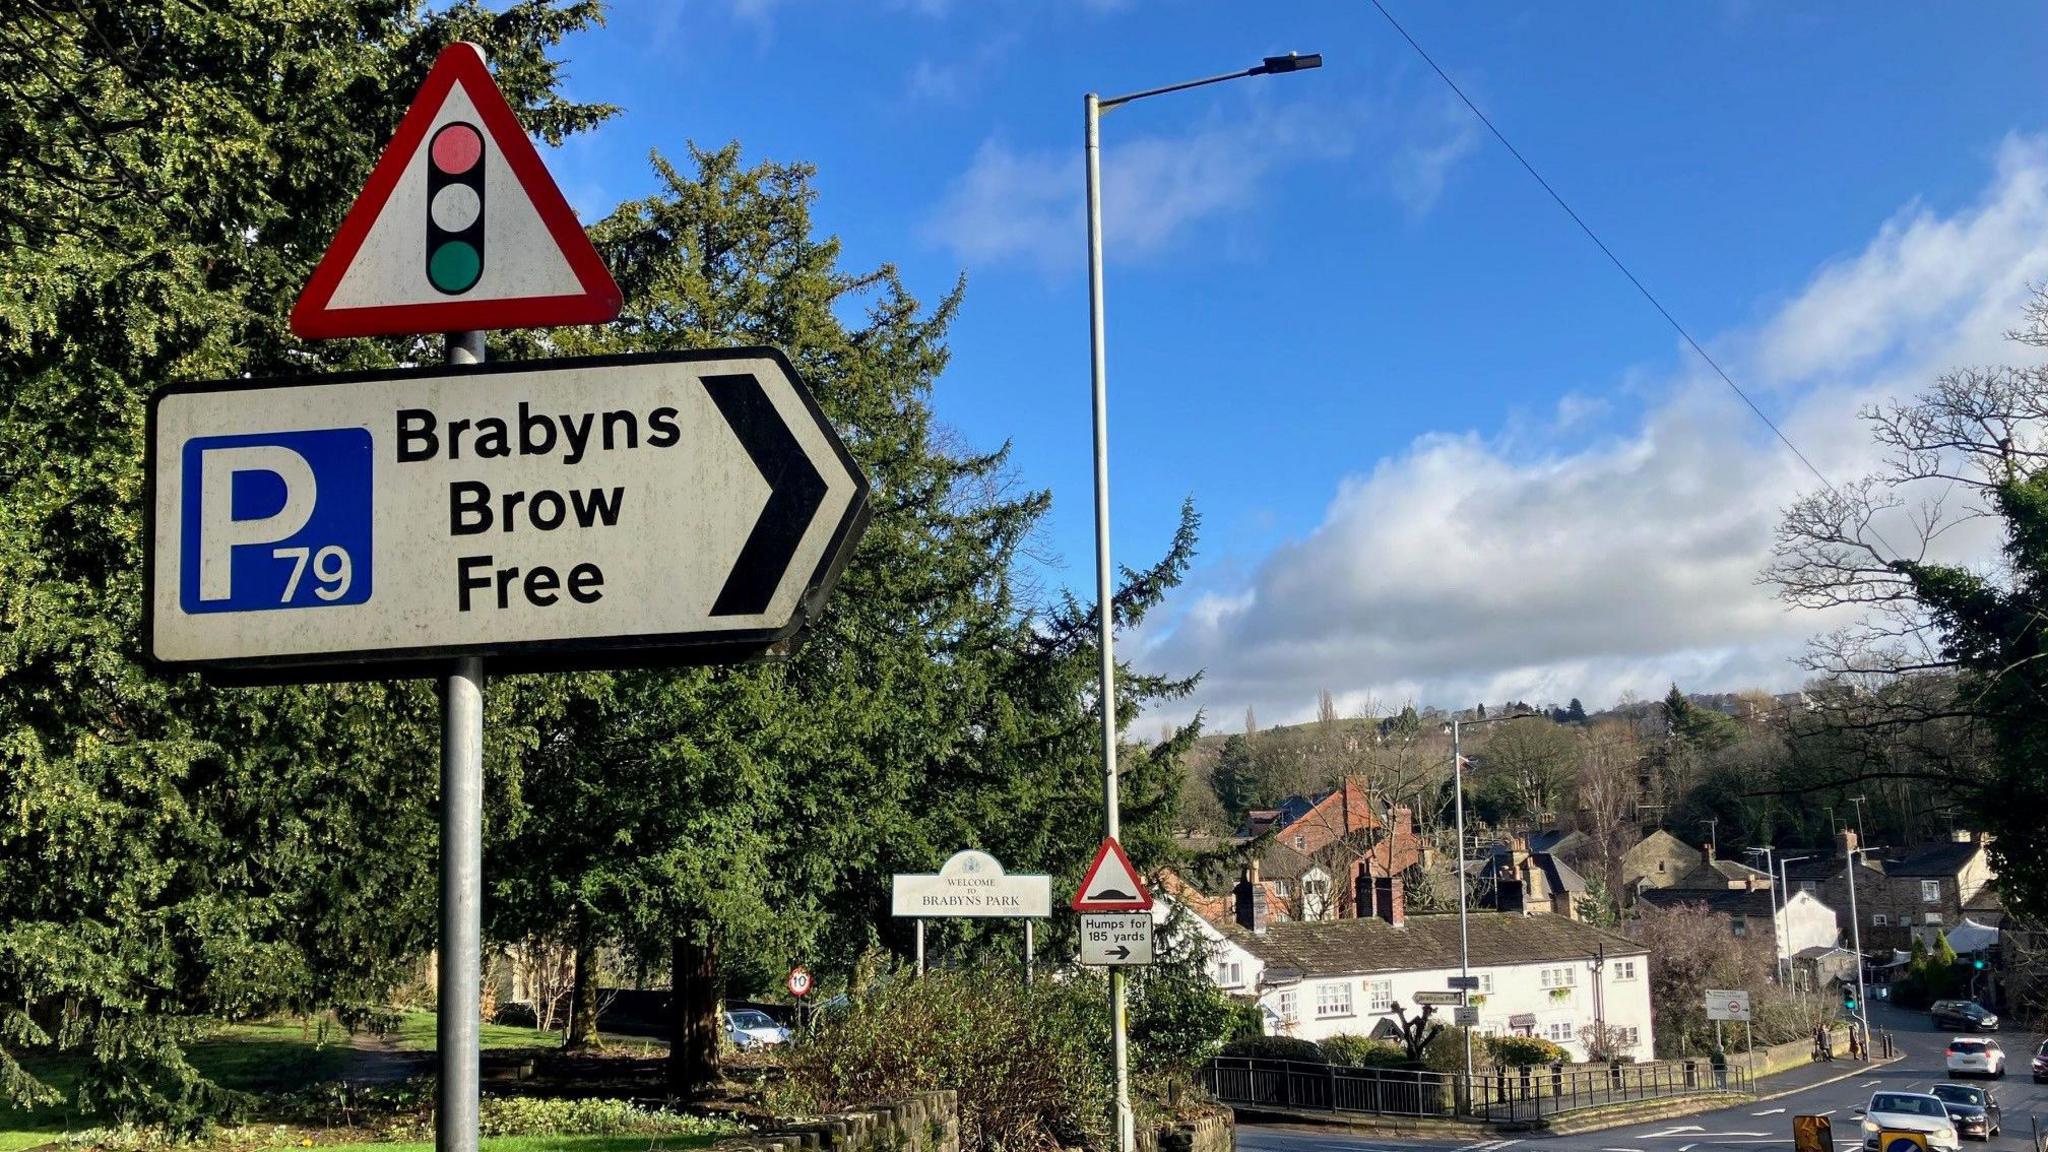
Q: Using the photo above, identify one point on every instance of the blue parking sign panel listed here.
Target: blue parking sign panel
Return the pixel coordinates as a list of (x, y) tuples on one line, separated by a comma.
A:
[(275, 520)]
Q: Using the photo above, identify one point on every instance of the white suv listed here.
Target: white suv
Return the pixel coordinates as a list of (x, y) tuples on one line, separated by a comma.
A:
[(1970, 1056)]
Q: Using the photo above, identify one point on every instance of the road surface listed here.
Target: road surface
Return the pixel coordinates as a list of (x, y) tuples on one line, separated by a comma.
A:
[(1763, 1126)]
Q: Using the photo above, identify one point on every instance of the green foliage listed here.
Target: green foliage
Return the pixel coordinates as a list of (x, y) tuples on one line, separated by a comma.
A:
[(1276, 1048), (1362, 1052), (1446, 1051), (1523, 1051), (534, 1116), (1235, 777), (1179, 1019), (1028, 1061)]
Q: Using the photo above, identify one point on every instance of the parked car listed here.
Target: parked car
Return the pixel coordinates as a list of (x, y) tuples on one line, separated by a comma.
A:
[(1974, 1109), (2041, 1063), (1968, 1056), (750, 1028), (1963, 1015), (1909, 1112)]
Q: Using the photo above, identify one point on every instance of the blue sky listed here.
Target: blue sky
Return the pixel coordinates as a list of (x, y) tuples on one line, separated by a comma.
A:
[(1442, 449)]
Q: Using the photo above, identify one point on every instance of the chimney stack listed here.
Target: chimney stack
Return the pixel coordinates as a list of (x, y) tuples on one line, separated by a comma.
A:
[(1390, 902), (1845, 841), (1252, 911)]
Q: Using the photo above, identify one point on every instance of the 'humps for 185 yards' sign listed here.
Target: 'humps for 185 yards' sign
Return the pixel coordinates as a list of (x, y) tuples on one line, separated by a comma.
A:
[(694, 501)]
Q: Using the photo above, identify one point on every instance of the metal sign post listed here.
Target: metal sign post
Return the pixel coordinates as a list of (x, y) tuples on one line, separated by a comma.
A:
[(458, 1004)]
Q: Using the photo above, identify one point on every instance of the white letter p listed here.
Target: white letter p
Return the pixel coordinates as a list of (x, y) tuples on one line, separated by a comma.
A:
[(220, 533)]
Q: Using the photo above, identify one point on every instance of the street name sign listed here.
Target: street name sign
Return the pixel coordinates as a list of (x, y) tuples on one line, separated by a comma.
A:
[(970, 883), (1111, 884), (1119, 939), (1465, 1017), (1726, 1004), (1440, 999), (667, 508), (459, 226), (1466, 983)]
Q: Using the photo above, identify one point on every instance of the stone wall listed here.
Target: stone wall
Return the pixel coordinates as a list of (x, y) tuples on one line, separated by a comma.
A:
[(927, 1122), (1216, 1132)]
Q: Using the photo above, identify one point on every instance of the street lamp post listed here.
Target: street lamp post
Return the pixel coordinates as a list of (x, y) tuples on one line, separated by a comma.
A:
[(1781, 945), (1464, 922), (1094, 106), (1785, 882)]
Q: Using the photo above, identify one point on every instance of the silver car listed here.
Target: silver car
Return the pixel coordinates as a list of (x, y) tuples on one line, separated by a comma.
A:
[(750, 1028), (1908, 1112)]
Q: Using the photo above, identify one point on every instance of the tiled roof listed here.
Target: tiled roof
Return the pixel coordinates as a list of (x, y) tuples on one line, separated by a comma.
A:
[(1938, 860), (1358, 947), (1721, 901)]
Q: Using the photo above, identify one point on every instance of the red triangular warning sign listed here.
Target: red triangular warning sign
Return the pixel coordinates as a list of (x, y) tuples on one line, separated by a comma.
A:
[(458, 227), (1111, 884)]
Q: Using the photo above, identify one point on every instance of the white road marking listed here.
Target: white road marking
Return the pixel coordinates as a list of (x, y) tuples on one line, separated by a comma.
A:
[(1870, 1083), (1830, 1112), (1621, 1150), (1768, 1112), (1687, 1147)]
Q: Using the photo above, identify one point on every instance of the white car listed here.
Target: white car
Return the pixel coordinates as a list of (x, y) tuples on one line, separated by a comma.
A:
[(1909, 1112), (1971, 1056), (750, 1028)]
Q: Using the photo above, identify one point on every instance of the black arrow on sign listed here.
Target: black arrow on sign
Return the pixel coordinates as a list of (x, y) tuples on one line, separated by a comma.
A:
[(1120, 952), (795, 490)]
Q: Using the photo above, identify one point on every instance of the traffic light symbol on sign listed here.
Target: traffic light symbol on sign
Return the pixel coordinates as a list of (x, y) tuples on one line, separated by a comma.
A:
[(455, 208)]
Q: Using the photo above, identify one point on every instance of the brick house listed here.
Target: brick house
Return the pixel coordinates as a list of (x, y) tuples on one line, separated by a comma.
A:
[(1918, 894)]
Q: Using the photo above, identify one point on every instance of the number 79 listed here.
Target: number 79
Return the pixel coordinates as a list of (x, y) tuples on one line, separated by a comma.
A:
[(331, 571)]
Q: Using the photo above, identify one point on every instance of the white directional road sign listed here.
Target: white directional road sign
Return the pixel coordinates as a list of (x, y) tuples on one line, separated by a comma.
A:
[(1724, 1004), (1440, 999), (674, 507), (971, 883), (1116, 938), (1465, 1017)]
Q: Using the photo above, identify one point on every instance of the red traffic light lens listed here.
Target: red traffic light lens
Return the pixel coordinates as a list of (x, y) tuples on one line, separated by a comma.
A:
[(457, 148)]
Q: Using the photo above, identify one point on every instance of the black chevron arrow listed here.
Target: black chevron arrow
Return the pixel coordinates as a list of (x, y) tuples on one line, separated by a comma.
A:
[(795, 490)]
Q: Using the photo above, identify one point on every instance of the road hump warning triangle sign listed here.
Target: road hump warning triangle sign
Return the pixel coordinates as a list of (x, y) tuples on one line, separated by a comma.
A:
[(1111, 884), (458, 227)]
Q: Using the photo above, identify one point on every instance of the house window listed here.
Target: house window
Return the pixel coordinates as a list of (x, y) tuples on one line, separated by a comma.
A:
[(1486, 983), (1930, 891), (1660, 866), (1279, 887), (1314, 887), (1627, 1037), (1333, 1000), (1738, 925), (1300, 842), (1624, 970), (1880, 920), (1379, 995), (1934, 918), (1230, 973), (1561, 1032), (1560, 977), (1807, 886), (1290, 1006)]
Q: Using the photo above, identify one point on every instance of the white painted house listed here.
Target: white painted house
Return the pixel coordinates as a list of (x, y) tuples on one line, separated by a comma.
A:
[(1544, 976)]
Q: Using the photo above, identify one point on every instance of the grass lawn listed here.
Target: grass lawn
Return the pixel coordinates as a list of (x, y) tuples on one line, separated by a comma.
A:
[(417, 1033)]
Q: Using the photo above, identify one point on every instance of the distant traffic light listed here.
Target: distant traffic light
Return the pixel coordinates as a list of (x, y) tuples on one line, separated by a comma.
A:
[(1848, 1000), (1977, 964), (455, 208)]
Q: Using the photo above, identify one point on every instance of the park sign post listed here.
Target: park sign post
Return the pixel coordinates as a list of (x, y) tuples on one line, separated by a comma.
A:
[(971, 884), (683, 508)]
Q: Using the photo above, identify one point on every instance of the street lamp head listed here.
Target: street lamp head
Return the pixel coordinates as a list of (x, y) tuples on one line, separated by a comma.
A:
[(1292, 62)]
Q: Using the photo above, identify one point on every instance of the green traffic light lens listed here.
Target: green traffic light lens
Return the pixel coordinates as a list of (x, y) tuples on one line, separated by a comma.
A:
[(455, 267)]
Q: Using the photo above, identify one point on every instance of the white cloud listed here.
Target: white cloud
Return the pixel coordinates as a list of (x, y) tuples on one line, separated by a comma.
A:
[(1028, 205), (1435, 145), (1469, 568)]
